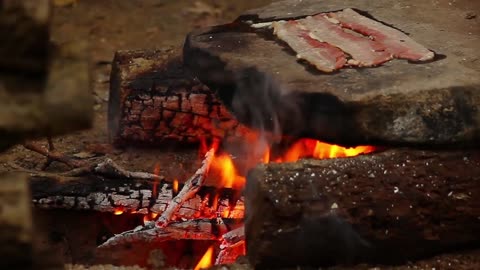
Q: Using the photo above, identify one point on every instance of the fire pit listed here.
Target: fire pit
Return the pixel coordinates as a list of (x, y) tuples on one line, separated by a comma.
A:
[(275, 162)]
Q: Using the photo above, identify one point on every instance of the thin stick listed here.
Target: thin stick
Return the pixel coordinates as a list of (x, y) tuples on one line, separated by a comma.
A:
[(54, 155), (107, 167), (192, 185)]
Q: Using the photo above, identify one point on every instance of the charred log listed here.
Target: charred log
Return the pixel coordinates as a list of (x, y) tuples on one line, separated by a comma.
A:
[(388, 207), (153, 100), (131, 195)]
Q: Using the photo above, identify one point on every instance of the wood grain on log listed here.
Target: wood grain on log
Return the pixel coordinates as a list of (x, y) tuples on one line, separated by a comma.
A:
[(260, 78), (153, 100), (387, 207), (16, 229), (132, 195)]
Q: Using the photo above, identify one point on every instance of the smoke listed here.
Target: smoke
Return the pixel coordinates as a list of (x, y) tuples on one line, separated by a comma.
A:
[(261, 103)]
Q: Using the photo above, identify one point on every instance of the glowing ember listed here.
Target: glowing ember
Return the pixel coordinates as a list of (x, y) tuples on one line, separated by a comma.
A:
[(118, 211), (175, 186), (151, 216), (206, 260)]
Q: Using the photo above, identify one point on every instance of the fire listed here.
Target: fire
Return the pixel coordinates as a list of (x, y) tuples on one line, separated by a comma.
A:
[(206, 260), (175, 186), (315, 149), (149, 217), (223, 164), (118, 211)]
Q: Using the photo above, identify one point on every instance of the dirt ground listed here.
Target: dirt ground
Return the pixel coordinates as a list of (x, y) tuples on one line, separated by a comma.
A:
[(111, 25)]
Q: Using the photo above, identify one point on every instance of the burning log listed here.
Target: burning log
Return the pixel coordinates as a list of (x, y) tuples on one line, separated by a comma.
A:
[(198, 229), (387, 207), (130, 196), (16, 236), (232, 246), (154, 100), (189, 190)]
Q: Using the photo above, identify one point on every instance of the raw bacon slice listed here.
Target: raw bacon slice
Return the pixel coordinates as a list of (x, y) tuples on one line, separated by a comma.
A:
[(364, 51), (396, 42), (322, 55)]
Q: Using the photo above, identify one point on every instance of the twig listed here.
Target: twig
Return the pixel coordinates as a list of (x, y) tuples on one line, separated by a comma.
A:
[(51, 148), (192, 185), (107, 167), (54, 155)]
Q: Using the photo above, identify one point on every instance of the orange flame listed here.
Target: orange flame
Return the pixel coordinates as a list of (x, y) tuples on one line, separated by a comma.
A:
[(206, 260), (316, 149), (175, 186), (149, 217), (118, 211), (156, 171), (223, 164)]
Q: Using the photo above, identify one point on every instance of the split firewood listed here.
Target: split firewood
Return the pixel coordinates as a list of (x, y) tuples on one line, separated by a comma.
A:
[(26, 23), (153, 100), (189, 190), (131, 196), (16, 228), (54, 102), (198, 229), (387, 207)]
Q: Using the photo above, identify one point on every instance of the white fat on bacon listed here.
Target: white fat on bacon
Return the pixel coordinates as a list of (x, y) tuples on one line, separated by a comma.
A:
[(364, 51), (323, 56), (397, 43)]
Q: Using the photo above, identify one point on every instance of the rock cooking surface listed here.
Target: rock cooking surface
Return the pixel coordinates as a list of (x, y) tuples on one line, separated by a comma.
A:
[(398, 102)]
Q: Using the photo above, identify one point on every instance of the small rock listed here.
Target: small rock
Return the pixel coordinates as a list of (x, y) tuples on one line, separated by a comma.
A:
[(470, 15), (84, 155)]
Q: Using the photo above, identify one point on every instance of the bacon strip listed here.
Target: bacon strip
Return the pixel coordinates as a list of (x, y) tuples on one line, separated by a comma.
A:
[(322, 55), (396, 42), (364, 51)]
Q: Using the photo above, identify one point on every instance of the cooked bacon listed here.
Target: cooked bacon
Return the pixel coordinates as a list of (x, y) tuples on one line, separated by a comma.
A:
[(364, 51), (322, 55), (396, 42)]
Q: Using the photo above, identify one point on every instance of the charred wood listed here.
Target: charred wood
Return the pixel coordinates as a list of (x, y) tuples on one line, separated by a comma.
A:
[(232, 246), (131, 196), (153, 100), (387, 207), (196, 229), (188, 191)]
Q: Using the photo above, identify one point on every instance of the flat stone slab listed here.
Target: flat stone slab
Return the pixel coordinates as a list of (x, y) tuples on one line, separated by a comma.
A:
[(260, 80)]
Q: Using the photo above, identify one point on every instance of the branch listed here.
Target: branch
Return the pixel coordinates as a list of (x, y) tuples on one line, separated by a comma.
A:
[(192, 185), (107, 167)]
